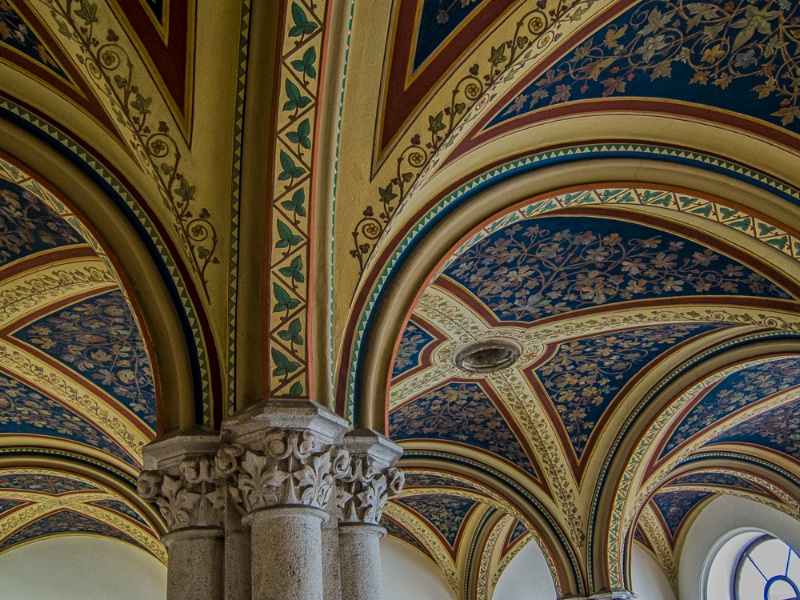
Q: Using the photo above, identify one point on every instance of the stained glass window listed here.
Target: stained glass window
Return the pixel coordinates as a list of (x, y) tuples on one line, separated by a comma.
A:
[(768, 569)]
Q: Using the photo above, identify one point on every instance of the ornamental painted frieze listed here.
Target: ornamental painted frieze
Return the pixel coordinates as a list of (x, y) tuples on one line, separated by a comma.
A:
[(290, 230), (88, 31)]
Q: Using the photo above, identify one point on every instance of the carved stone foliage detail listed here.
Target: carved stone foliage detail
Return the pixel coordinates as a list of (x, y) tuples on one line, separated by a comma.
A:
[(364, 489), (194, 497), (294, 468)]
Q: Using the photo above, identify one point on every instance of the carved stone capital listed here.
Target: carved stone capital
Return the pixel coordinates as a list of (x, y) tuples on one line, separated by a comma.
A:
[(293, 468), (282, 453), (183, 480), (370, 478)]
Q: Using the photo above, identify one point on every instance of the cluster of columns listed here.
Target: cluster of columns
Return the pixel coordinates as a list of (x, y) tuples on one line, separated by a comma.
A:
[(283, 503)]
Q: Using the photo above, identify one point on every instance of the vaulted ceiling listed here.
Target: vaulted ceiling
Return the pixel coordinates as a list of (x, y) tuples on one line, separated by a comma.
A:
[(207, 204)]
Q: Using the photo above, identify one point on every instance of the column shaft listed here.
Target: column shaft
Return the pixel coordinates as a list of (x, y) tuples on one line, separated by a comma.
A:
[(237, 554), (195, 564), (331, 572), (286, 550), (361, 567)]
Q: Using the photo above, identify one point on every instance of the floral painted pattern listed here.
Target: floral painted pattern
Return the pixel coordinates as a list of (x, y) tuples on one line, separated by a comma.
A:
[(14, 32), (63, 521), (639, 536), (520, 529), (122, 508), (415, 479), (395, 530), (554, 265), (8, 504), (584, 376), (438, 20), (100, 340), (411, 344), (460, 412), (28, 226), (676, 505), (737, 391), (735, 55), (778, 429), (46, 483), (446, 513), (716, 479), (25, 411)]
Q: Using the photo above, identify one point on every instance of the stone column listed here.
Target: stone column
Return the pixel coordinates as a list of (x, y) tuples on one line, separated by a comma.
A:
[(362, 493), (191, 496), (237, 554), (331, 572), (283, 457)]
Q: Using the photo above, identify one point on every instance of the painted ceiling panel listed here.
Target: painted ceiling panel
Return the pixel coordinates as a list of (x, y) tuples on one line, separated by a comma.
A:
[(733, 56), (519, 530), (428, 39), (157, 9), (122, 508), (414, 340), (57, 502), (46, 483), (7, 504), (438, 19), (715, 479), (420, 479), (460, 412), (584, 376), (17, 34), (675, 506), (738, 390), (395, 530), (63, 522), (99, 339), (446, 513), (25, 411), (553, 265), (28, 226), (777, 429)]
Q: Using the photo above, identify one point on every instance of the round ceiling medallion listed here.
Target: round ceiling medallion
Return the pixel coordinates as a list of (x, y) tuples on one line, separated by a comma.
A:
[(488, 355)]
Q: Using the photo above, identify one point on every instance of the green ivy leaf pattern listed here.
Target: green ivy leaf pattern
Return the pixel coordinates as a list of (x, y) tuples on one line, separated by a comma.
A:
[(305, 65), (300, 136), (295, 205), (295, 142), (296, 99), (283, 366), (302, 26)]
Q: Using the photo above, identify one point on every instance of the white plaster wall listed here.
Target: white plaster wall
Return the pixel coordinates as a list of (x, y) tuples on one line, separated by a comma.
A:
[(526, 576), (81, 567), (715, 523), (408, 574), (648, 580)]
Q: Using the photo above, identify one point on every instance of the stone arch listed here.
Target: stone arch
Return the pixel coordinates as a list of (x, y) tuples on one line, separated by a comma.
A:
[(398, 278), (171, 349), (624, 468)]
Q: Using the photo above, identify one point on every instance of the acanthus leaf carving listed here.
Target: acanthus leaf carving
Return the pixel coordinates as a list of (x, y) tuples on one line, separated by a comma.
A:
[(192, 497), (294, 468), (365, 488)]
